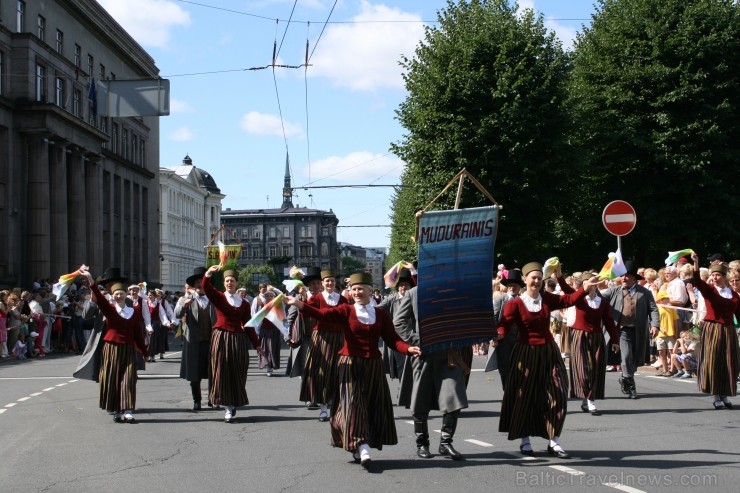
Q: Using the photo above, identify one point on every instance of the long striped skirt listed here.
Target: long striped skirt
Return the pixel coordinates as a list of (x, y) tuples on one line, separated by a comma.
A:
[(587, 365), (718, 359), (319, 383), (270, 340), (117, 377), (363, 413), (229, 365), (536, 396)]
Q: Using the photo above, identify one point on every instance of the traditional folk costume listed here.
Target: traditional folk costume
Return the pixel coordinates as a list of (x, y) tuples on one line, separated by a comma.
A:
[(588, 347), (161, 316), (433, 381), (718, 360), (319, 381), (121, 340), (535, 399), (200, 317), (362, 413), (301, 331), (229, 354)]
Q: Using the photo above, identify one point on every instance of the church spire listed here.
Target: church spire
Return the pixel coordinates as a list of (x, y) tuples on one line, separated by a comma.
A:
[(287, 187)]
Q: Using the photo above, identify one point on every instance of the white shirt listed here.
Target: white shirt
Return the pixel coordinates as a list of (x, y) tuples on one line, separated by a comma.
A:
[(125, 312), (725, 292), (234, 299), (533, 305), (677, 291), (365, 313), (594, 302), (332, 299)]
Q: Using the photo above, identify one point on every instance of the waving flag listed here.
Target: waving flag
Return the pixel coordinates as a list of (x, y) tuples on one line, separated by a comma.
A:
[(391, 277), (296, 273), (65, 282), (674, 256), (223, 255), (550, 265), (614, 267), (292, 284), (274, 311)]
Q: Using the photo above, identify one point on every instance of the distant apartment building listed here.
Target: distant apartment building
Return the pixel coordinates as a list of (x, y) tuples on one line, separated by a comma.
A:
[(375, 262), (75, 186), (190, 214), (285, 236)]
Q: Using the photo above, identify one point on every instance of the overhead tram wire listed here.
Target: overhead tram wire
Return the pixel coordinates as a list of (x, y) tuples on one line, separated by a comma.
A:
[(277, 92), (305, 86)]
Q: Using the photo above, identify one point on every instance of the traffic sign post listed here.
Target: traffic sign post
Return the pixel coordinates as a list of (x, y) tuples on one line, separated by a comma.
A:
[(619, 218)]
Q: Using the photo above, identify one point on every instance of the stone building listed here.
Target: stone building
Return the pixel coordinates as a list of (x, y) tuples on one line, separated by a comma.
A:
[(75, 186), (190, 203), (285, 236)]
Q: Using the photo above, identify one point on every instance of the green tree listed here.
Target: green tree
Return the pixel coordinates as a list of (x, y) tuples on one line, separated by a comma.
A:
[(486, 93), (250, 281), (655, 91), (351, 265)]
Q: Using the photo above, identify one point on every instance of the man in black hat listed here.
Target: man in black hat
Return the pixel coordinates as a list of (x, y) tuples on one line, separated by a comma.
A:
[(633, 308), (393, 360), (514, 283), (432, 381), (301, 329), (716, 258), (196, 335)]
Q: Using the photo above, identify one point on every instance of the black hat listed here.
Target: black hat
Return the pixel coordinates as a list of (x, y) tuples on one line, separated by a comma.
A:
[(198, 273), (631, 267), (716, 256), (404, 275), (154, 285), (110, 275), (514, 277), (312, 273)]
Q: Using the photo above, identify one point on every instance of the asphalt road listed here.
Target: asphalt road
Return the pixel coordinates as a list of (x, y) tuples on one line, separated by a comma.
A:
[(53, 437)]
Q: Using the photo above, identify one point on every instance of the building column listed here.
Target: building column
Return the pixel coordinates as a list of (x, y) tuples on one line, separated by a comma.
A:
[(93, 209), (38, 218), (59, 257), (76, 207)]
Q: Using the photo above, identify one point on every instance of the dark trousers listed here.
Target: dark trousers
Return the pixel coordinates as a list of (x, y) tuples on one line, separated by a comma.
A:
[(79, 334), (204, 368)]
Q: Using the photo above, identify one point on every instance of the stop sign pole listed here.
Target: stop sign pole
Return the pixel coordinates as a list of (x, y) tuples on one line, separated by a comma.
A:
[(619, 218)]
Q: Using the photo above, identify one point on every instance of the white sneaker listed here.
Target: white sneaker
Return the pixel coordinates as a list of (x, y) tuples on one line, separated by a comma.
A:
[(128, 417), (365, 455), (228, 416), (269, 372)]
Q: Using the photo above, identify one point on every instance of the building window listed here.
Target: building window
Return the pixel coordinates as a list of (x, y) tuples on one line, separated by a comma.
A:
[(305, 251), (273, 232), (245, 233), (134, 148), (59, 92), (255, 252), (60, 42), (20, 16), (273, 251), (286, 231), (124, 144), (114, 138), (324, 249), (78, 55), (77, 103), (90, 63), (256, 232), (102, 72), (40, 81), (324, 231), (41, 31), (142, 161), (286, 251), (2, 70), (306, 232)]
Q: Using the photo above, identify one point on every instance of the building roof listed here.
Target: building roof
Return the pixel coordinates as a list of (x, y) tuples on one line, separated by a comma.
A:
[(201, 177), (280, 211)]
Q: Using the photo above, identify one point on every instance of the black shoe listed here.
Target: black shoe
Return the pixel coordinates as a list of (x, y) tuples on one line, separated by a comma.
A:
[(423, 452), (312, 406), (448, 450), (524, 451), (117, 418), (196, 406), (595, 412), (356, 456), (584, 408), (560, 454), (366, 463), (718, 404), (623, 386), (161, 356), (633, 394), (727, 403)]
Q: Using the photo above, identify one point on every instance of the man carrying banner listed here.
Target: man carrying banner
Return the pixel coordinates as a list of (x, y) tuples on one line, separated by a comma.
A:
[(200, 317), (434, 380)]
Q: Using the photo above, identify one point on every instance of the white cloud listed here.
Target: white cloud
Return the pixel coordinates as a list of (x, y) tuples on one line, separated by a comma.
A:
[(182, 134), (149, 22), (256, 123), (564, 33), (178, 106), (364, 55), (361, 167)]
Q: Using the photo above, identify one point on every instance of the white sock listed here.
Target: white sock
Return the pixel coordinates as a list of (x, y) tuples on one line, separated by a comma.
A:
[(591, 404), (323, 409), (364, 451), (555, 442), (525, 443)]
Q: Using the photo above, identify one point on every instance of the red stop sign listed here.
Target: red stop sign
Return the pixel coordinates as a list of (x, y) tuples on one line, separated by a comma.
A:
[(619, 218)]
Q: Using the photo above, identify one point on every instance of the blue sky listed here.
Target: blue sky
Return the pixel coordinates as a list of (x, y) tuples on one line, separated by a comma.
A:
[(336, 119)]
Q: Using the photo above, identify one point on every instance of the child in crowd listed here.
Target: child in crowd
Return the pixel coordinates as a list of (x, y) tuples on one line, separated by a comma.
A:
[(683, 355), (19, 350)]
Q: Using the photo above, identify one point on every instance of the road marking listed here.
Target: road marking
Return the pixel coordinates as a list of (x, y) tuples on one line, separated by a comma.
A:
[(61, 384), (73, 381), (34, 378), (2, 410), (622, 487), (11, 404), (148, 377), (573, 472), (47, 389), (36, 393), (410, 422), (22, 399), (478, 442)]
